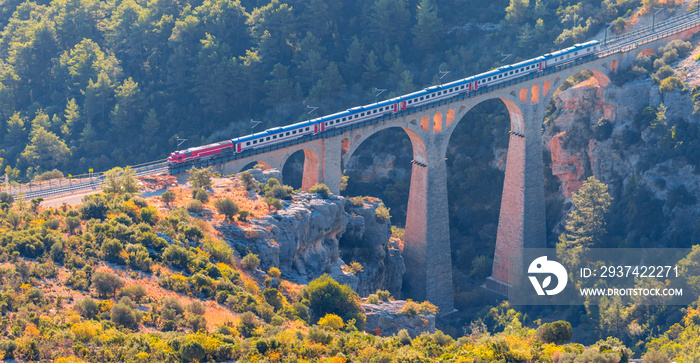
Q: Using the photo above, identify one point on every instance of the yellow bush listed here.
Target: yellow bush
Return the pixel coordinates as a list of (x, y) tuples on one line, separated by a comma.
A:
[(251, 286), (331, 321), (86, 330), (69, 360)]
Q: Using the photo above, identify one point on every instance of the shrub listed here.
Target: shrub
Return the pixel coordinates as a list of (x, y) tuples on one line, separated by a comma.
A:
[(197, 323), (279, 192), (200, 195), (250, 261), (168, 197), (134, 292), (354, 268), (320, 189), (57, 253), (274, 298), (274, 272), (196, 308), (247, 180), (442, 339), (427, 307), (170, 303), (326, 296), (149, 215), (92, 207), (403, 337), (373, 299), (382, 213), (111, 250), (383, 295), (87, 308), (123, 315), (243, 215), (106, 283), (192, 351), (200, 177), (72, 223), (399, 233), (194, 206), (654, 356), (670, 84), (558, 332), (226, 207), (6, 198), (410, 308), (176, 256), (273, 203), (331, 321)]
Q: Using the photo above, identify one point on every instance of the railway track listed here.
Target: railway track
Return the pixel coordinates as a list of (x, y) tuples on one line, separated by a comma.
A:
[(55, 189)]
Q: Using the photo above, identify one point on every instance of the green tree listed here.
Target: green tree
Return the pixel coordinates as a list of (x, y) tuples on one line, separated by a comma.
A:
[(106, 283), (200, 177), (128, 109), (518, 11), (123, 315), (558, 332), (326, 296), (428, 26), (46, 150), (227, 207), (176, 256), (585, 227), (168, 197), (118, 180)]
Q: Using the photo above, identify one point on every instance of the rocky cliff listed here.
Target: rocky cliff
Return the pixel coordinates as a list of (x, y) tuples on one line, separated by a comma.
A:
[(307, 237), (636, 139)]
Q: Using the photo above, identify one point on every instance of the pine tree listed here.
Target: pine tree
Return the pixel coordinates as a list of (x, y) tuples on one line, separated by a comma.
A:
[(428, 28), (586, 225)]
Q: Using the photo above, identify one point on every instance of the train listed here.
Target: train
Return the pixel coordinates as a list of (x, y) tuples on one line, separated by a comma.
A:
[(358, 114)]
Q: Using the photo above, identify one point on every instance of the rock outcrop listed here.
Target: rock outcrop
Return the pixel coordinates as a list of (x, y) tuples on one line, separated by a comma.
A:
[(607, 131), (304, 241), (386, 320), (367, 241)]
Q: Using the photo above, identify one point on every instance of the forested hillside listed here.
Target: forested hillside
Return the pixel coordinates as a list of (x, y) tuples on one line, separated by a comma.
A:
[(93, 84)]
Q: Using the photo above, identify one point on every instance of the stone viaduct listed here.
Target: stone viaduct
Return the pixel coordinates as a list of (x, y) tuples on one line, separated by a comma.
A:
[(522, 214)]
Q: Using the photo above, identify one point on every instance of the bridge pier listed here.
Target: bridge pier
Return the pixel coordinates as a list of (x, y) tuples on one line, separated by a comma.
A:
[(521, 223), (427, 250)]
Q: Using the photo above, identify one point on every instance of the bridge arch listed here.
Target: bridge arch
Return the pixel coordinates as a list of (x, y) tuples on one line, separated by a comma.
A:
[(517, 122), (308, 159)]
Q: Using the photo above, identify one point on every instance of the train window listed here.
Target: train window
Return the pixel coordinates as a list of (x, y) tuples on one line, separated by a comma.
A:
[(255, 142), (362, 114), (288, 133), (575, 53), (274, 137), (294, 132), (247, 143), (375, 111), (308, 128), (267, 139), (343, 119)]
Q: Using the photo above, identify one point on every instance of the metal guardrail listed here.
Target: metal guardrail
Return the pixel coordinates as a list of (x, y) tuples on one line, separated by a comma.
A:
[(67, 186)]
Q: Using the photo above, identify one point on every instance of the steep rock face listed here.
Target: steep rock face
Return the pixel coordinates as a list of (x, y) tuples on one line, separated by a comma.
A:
[(627, 153), (303, 238), (367, 241), (386, 319)]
